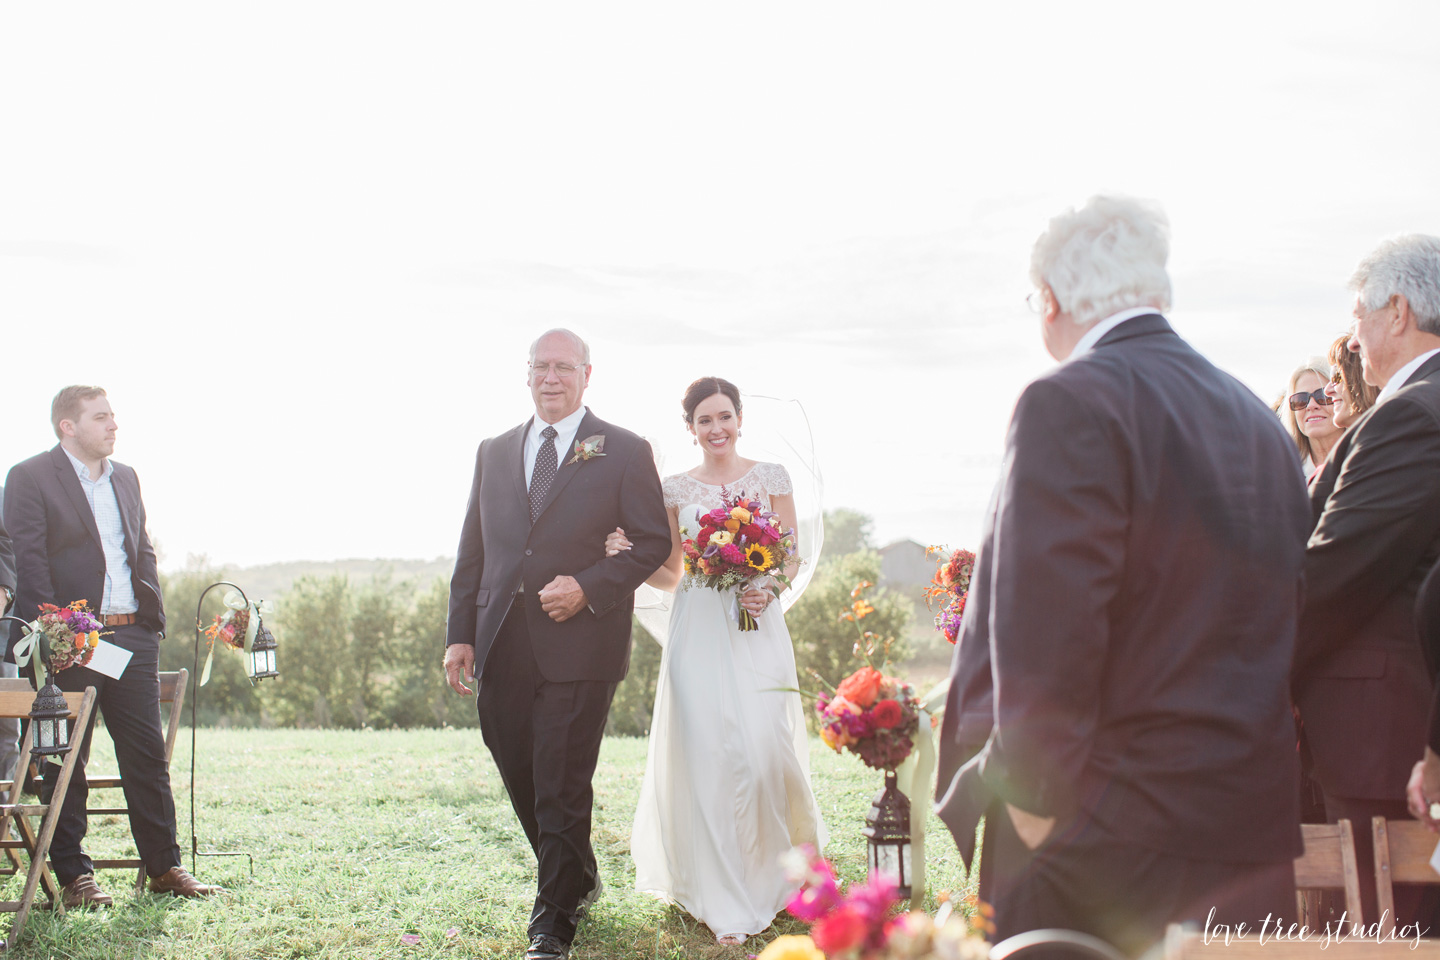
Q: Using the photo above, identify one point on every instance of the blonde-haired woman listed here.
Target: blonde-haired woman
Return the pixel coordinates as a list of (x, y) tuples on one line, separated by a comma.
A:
[(1307, 414)]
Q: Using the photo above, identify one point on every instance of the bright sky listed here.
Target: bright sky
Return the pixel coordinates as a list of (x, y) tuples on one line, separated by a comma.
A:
[(305, 246)]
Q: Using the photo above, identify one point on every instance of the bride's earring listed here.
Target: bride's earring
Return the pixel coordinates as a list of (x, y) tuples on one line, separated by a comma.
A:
[(694, 441)]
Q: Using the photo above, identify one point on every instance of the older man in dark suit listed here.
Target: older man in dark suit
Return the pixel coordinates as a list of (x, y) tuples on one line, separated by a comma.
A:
[(78, 525), (1361, 681), (541, 616), (1143, 564)]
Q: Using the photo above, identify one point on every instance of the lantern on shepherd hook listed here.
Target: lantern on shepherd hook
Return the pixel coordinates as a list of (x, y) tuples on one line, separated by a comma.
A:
[(887, 835), (262, 652), (259, 648)]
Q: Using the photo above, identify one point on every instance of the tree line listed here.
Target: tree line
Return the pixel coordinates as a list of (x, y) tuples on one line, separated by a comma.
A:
[(368, 654)]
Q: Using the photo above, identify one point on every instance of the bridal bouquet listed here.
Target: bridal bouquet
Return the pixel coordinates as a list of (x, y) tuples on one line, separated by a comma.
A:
[(70, 633), (860, 924), (952, 583), (873, 716), (738, 543)]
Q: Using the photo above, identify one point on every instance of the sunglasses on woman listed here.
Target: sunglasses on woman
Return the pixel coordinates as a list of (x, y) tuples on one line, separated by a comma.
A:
[(1299, 401)]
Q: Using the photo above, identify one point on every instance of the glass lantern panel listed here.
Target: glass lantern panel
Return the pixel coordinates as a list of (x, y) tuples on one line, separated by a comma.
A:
[(62, 733), (44, 734), (886, 860)]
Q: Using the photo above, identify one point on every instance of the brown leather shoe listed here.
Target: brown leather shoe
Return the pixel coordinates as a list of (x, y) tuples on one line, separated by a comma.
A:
[(177, 881), (83, 891)]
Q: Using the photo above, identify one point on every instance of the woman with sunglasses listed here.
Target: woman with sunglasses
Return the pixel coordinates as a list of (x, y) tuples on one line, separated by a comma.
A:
[(1347, 386), (1306, 414)]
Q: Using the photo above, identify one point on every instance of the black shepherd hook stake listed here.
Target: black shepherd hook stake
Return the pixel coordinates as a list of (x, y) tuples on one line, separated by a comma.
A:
[(195, 850)]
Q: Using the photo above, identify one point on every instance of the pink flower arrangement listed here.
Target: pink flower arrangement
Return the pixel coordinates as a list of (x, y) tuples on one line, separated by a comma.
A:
[(873, 716), (952, 583), (861, 924)]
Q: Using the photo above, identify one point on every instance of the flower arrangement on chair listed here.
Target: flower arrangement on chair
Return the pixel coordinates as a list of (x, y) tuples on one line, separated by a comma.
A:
[(952, 583), (872, 715)]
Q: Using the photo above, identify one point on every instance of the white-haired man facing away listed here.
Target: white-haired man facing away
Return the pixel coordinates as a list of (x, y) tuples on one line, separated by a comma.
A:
[(1361, 680), (1119, 705)]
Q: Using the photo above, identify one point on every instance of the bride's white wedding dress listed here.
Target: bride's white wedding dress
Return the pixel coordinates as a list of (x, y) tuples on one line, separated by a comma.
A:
[(727, 779)]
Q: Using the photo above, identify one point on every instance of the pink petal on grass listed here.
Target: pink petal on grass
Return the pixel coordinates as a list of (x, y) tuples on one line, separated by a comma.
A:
[(410, 939), (453, 932)]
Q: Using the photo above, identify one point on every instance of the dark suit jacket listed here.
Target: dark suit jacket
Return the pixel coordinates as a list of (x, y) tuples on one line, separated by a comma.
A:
[(1427, 622), (1143, 565), (7, 560), (58, 557), (500, 550), (1361, 681)]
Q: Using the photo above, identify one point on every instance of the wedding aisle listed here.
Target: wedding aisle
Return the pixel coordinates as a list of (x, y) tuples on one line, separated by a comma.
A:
[(400, 844)]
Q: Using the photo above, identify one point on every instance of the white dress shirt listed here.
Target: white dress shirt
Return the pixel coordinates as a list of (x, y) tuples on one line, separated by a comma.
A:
[(119, 590), (565, 432), (1393, 385), (1093, 335)]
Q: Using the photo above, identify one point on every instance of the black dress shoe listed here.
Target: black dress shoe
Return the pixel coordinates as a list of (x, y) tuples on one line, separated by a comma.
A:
[(582, 909), (546, 947)]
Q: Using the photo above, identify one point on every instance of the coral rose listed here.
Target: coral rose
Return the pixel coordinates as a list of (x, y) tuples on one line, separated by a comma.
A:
[(844, 929), (888, 713), (862, 687)]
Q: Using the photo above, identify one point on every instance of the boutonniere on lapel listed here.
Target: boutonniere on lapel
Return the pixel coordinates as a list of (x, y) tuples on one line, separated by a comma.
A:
[(588, 449)]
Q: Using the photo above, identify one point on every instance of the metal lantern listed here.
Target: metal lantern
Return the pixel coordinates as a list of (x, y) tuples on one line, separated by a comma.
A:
[(51, 732), (262, 652), (887, 835)]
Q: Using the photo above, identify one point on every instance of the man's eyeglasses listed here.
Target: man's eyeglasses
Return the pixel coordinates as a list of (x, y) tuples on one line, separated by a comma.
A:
[(1036, 302), (1299, 401), (562, 370)]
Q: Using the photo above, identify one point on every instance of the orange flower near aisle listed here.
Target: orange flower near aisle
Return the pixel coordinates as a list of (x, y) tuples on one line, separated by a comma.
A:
[(862, 687)]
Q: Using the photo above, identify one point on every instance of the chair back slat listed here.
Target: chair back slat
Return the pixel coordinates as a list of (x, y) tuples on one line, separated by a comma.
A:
[(1329, 863)]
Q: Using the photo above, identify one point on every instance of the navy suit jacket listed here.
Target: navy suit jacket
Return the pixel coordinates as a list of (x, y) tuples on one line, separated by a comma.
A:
[(58, 557), (1141, 576), (501, 551), (1361, 678)]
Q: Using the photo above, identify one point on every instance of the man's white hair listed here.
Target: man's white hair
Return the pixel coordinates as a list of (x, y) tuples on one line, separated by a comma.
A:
[(1410, 266), (1107, 256), (580, 344)]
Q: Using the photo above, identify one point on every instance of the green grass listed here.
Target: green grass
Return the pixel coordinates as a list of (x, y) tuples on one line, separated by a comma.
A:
[(362, 836)]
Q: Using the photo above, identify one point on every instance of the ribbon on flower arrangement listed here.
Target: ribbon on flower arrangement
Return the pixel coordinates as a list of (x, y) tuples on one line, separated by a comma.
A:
[(913, 777), (29, 640), (235, 605)]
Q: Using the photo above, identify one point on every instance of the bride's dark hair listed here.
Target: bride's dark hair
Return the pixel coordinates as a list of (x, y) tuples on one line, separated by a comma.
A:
[(705, 388)]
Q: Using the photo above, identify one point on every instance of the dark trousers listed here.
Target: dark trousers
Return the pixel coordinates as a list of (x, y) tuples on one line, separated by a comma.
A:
[(1083, 877), (545, 738), (132, 716)]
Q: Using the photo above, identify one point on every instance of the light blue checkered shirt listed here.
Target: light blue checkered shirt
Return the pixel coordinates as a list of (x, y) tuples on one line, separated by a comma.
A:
[(119, 590)]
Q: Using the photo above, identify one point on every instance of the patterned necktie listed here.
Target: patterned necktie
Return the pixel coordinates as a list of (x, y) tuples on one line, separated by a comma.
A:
[(544, 473)]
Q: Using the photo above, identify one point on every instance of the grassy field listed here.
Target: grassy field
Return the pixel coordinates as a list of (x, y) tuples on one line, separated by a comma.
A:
[(360, 838)]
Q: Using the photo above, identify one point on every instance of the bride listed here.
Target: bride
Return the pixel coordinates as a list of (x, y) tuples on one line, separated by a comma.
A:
[(727, 778)]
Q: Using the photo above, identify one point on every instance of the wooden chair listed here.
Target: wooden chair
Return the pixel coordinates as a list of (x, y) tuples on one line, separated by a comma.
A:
[(1402, 855), (36, 842), (1328, 863), (173, 685), (1183, 943)]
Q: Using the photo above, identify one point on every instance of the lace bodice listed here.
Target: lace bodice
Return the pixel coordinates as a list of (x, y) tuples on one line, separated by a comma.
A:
[(761, 481)]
